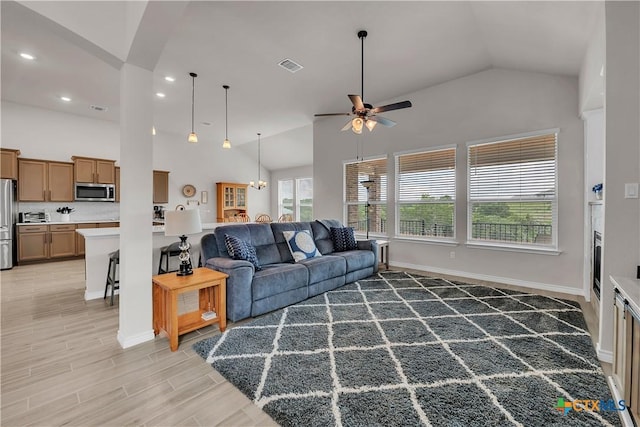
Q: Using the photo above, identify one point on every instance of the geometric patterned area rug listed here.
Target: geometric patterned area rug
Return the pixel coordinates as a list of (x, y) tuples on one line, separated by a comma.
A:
[(400, 349)]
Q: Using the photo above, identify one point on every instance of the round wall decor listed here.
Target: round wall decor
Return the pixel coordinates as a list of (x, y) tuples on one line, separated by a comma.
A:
[(189, 190)]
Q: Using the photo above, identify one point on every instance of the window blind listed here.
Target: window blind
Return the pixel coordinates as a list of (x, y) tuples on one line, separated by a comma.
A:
[(512, 191), (355, 196), (426, 184)]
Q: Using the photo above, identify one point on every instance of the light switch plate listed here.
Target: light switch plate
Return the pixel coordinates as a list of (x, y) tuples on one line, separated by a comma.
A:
[(631, 190)]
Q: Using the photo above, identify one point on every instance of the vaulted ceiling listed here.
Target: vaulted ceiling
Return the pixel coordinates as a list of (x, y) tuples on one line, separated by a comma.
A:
[(411, 46)]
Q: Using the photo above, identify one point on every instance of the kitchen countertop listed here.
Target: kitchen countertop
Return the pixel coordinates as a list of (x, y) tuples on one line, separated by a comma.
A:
[(115, 231), (81, 221)]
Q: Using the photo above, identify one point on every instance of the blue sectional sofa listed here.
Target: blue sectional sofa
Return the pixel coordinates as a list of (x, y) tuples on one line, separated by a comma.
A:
[(281, 281)]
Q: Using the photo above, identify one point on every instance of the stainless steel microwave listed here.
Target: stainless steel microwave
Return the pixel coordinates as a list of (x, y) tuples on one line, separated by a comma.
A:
[(95, 192)]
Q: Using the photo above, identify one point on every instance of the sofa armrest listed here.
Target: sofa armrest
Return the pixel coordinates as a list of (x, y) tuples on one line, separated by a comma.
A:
[(239, 296), (370, 245)]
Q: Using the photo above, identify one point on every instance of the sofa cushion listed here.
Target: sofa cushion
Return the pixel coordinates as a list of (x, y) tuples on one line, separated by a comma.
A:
[(322, 236), (258, 235), (357, 260), (343, 239), (277, 278), (241, 250), (278, 228), (325, 267), (301, 244)]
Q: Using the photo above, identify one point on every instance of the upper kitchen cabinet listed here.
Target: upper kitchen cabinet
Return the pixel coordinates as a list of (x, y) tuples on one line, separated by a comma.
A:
[(44, 181), (117, 184), (9, 163), (98, 171), (160, 187)]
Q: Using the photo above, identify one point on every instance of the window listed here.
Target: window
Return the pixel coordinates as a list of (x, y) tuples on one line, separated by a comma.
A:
[(304, 199), (374, 173), (512, 191), (426, 185), (285, 197), (297, 200)]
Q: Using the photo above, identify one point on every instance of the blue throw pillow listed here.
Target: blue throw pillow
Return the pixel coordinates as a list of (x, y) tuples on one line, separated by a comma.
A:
[(301, 244), (343, 239), (241, 250)]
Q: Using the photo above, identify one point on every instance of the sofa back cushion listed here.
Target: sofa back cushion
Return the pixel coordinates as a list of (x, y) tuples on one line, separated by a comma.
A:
[(208, 247), (283, 248), (322, 236), (257, 235)]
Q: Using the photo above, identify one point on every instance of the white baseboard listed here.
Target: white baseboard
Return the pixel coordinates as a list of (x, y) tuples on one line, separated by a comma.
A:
[(126, 342), (617, 396), (604, 355), (506, 280), (97, 295)]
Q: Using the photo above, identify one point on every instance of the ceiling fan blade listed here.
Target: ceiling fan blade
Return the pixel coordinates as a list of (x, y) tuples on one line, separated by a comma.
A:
[(347, 126), (390, 107), (357, 102), (384, 122), (332, 114)]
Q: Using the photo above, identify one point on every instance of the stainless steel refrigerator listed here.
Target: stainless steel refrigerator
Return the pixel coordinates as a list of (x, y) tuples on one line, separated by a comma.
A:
[(8, 214)]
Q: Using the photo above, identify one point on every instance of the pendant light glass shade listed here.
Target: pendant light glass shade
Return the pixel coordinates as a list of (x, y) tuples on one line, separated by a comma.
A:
[(356, 125), (260, 184), (370, 124), (193, 138), (226, 143)]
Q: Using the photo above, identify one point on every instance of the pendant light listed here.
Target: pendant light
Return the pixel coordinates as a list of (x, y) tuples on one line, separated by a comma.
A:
[(261, 184), (193, 138), (226, 143)]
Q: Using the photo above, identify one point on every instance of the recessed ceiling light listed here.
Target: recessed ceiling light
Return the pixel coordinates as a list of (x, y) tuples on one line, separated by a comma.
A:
[(27, 56), (65, 99), (169, 79), (160, 95)]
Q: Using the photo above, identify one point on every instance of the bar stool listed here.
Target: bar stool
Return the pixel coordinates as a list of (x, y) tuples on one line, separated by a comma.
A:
[(165, 253), (114, 260)]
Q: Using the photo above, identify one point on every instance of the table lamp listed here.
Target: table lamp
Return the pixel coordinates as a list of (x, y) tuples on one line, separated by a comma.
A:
[(180, 223)]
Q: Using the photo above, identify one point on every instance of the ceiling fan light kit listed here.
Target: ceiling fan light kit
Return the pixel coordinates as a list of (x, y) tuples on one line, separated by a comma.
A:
[(193, 138), (366, 114)]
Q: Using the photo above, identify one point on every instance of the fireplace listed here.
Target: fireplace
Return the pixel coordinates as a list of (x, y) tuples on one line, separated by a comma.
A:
[(597, 261)]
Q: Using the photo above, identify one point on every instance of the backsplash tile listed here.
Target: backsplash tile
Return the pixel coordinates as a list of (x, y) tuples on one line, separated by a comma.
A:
[(82, 211)]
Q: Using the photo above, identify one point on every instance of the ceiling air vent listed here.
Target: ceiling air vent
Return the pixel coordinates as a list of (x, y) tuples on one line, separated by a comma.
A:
[(98, 108), (290, 65)]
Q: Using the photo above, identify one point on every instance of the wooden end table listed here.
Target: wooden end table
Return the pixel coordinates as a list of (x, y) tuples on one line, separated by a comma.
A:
[(211, 286), (383, 247)]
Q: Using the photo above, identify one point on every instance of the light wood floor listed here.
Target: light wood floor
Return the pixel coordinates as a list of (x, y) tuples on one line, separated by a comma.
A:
[(62, 365)]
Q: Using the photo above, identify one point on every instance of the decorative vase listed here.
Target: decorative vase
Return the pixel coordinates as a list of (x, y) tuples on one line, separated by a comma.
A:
[(65, 217), (598, 195)]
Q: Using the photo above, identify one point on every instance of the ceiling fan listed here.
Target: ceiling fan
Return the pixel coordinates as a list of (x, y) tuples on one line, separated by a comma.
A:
[(366, 114)]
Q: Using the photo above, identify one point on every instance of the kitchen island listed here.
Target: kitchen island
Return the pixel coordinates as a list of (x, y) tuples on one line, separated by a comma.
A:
[(100, 242)]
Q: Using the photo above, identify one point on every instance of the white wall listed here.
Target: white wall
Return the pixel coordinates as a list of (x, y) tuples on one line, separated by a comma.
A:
[(51, 135), (291, 173), (621, 241), (489, 104)]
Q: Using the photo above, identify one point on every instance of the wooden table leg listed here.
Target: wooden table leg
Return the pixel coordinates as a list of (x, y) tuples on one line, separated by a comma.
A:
[(173, 321), (221, 291)]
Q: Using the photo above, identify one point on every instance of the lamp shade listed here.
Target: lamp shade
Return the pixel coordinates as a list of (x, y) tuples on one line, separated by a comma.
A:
[(180, 223)]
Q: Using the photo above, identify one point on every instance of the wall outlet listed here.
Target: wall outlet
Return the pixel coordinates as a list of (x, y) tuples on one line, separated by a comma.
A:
[(631, 190), (452, 254)]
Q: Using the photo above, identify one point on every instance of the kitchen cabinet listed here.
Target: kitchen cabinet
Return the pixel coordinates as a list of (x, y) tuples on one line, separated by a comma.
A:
[(160, 187), (41, 242), (98, 171), (117, 184), (9, 163), (62, 240), (45, 181), (80, 237), (33, 242), (108, 224), (231, 200)]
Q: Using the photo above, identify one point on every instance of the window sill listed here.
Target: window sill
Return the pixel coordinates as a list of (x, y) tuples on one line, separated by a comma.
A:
[(508, 248), (427, 241)]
